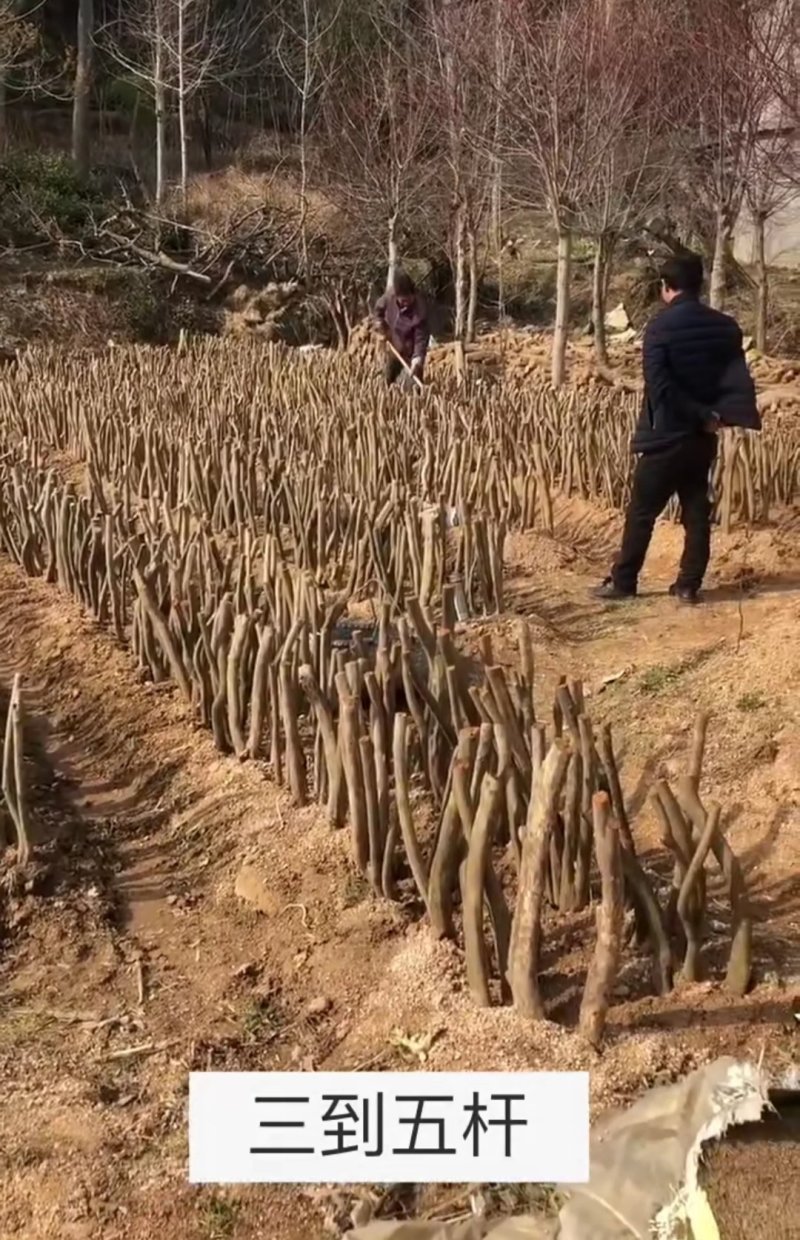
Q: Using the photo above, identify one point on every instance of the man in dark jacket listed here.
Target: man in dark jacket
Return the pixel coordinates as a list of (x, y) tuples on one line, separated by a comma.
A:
[(696, 381), (401, 317)]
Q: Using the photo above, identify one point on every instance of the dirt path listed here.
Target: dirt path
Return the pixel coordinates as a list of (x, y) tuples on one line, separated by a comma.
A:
[(185, 916), (145, 830)]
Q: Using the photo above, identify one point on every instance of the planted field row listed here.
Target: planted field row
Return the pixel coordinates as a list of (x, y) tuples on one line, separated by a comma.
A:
[(244, 435), (296, 549)]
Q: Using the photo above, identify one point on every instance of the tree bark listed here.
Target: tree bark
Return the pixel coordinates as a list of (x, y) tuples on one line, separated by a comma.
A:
[(610, 920), (762, 283), (460, 319), (414, 854), (304, 101), (3, 112), (602, 256), (160, 98), (81, 135), (477, 865), (716, 291), (526, 928), (391, 252), (563, 275), (182, 136), (472, 302), (349, 735)]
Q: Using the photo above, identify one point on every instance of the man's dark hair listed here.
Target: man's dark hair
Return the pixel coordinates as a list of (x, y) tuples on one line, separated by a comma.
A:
[(403, 285), (683, 273)]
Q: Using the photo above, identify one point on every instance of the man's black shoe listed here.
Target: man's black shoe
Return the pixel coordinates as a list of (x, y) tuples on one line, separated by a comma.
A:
[(611, 593), (684, 595)]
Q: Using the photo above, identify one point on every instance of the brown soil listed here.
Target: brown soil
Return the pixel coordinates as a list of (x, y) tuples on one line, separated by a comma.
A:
[(753, 1179), (181, 904)]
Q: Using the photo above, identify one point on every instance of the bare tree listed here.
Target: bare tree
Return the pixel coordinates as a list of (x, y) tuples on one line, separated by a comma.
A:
[(82, 97), (468, 121), (774, 179), (771, 186), (19, 45), (380, 128), (728, 46), (784, 65), (562, 124), (301, 51), (137, 41), (173, 50), (499, 69), (202, 43), (625, 179)]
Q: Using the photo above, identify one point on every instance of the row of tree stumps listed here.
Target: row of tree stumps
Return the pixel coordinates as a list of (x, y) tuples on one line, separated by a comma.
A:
[(232, 578), (323, 433), (387, 735), (532, 817)]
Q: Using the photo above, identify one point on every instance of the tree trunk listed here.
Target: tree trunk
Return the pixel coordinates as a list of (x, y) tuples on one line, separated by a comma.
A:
[(716, 291), (497, 232), (602, 258), (459, 324), (762, 286), (391, 252), (207, 133), (160, 103), (472, 303), (3, 113), (526, 929), (563, 274), (81, 136), (602, 973), (497, 176), (161, 121), (306, 90), (182, 103)]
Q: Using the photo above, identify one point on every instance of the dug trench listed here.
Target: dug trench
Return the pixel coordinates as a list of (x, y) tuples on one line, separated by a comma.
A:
[(180, 914)]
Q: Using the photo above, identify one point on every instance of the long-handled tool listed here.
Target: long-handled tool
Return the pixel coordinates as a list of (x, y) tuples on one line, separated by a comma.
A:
[(414, 378)]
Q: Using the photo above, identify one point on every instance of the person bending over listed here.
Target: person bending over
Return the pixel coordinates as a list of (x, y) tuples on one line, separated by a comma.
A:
[(696, 380), (401, 317)]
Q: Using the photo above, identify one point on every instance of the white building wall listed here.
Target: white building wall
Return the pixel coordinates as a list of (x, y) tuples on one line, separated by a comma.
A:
[(782, 237)]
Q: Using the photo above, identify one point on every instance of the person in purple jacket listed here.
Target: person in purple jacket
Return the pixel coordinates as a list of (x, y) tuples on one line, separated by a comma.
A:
[(401, 317)]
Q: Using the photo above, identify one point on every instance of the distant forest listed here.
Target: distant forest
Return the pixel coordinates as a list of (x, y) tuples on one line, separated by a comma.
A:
[(428, 124)]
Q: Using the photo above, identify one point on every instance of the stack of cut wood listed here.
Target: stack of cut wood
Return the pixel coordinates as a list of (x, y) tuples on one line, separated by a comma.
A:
[(523, 355), (364, 339), (520, 355)]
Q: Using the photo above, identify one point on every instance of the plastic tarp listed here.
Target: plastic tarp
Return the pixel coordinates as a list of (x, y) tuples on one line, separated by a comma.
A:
[(644, 1168)]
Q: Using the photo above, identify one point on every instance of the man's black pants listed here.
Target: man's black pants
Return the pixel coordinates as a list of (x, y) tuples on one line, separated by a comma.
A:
[(682, 470)]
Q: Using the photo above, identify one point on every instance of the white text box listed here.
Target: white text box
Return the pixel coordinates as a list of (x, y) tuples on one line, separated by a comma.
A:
[(388, 1127)]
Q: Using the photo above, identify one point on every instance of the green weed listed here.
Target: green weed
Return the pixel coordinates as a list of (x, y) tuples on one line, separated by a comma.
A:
[(659, 677), (664, 676), (263, 1017), (750, 702), (220, 1218)]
